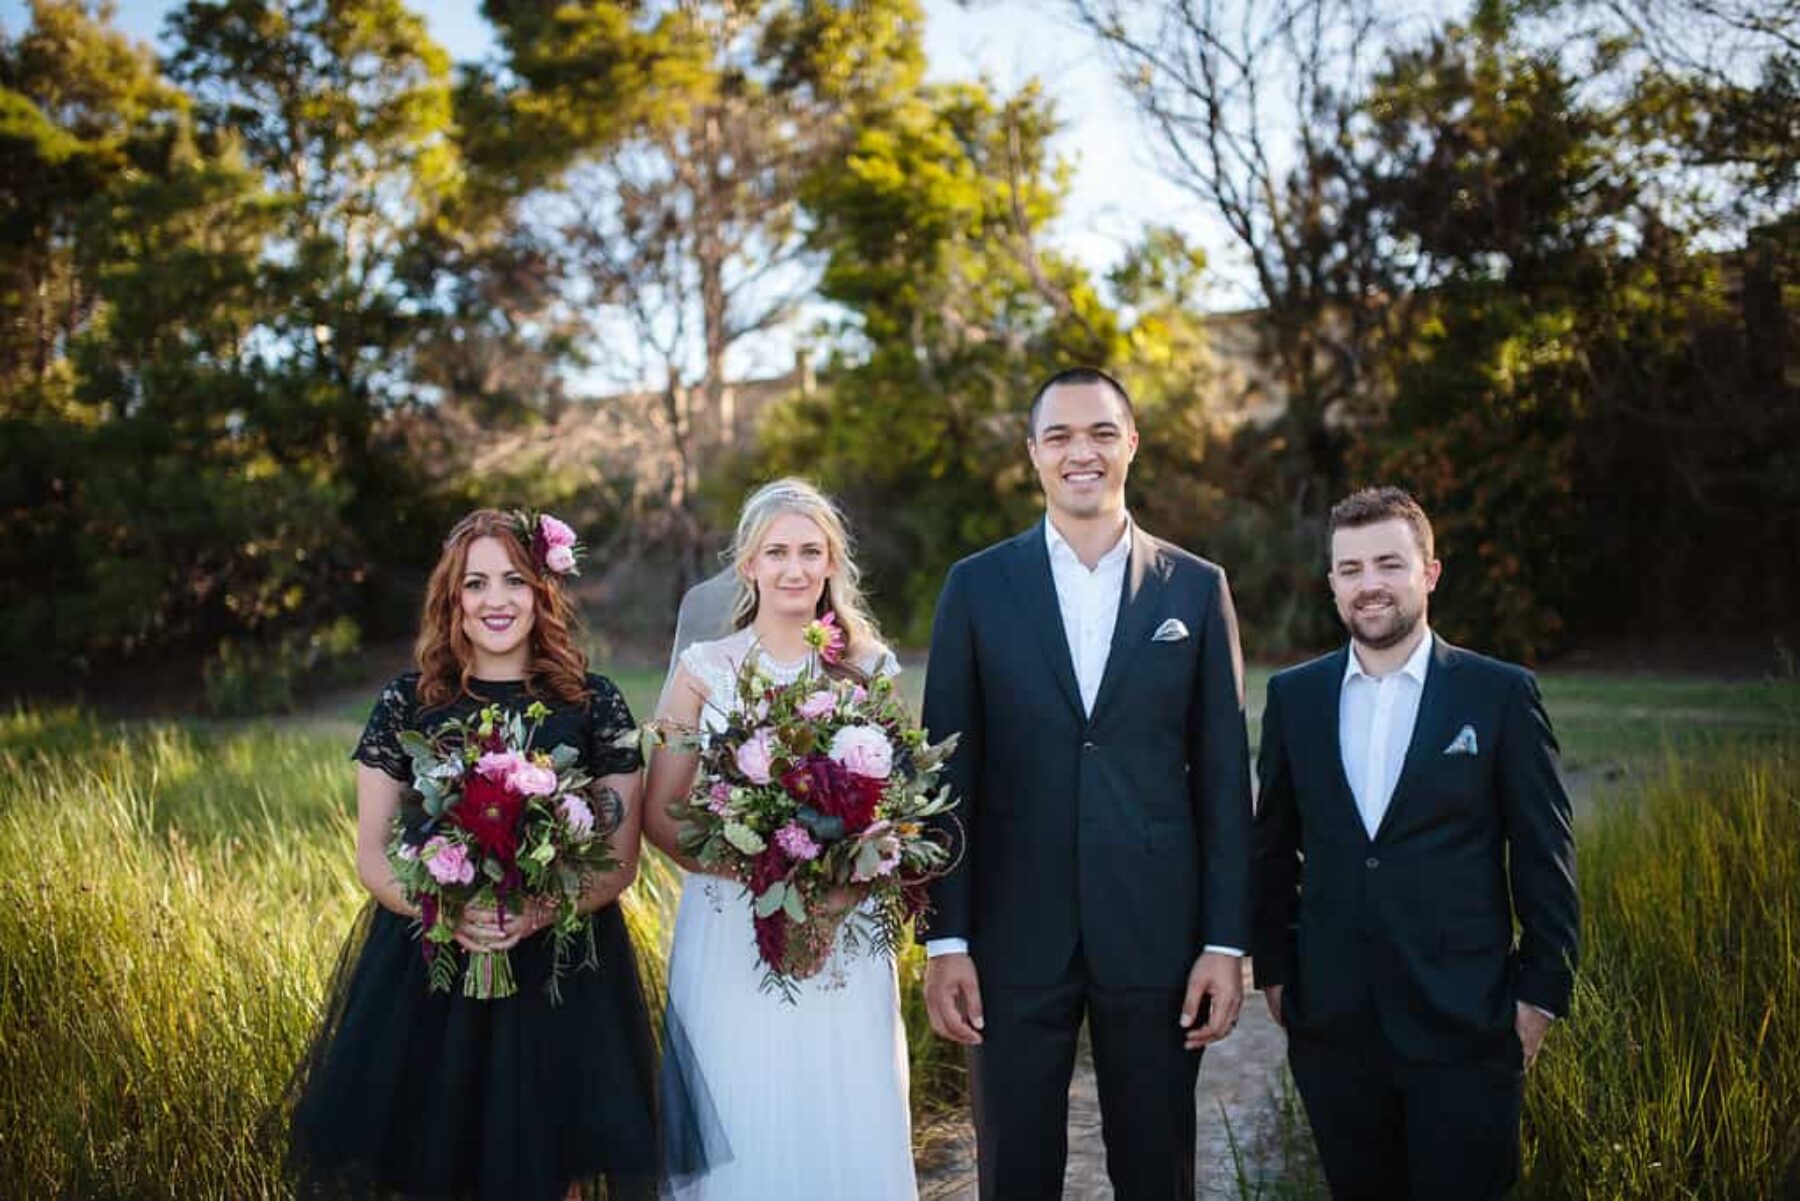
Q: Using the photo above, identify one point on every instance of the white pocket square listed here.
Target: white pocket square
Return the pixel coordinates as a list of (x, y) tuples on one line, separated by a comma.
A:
[(1464, 743), (1172, 630)]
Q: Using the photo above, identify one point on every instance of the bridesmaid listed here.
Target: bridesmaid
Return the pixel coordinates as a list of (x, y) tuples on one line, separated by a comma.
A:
[(423, 1094)]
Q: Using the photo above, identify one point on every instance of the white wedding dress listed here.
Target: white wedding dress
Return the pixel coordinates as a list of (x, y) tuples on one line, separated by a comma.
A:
[(811, 1096)]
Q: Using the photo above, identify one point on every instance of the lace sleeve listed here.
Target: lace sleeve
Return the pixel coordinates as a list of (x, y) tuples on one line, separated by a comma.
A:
[(395, 710), (709, 663), (609, 718)]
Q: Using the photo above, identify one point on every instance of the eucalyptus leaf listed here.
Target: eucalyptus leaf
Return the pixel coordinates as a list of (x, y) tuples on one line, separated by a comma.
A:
[(794, 907), (773, 899)]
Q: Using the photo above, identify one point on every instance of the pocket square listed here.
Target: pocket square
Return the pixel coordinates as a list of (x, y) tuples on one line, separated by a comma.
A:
[(1464, 743), (1171, 630)]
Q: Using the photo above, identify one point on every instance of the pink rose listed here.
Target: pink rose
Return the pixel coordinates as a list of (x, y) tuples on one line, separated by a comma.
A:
[(819, 704), (529, 779), (557, 535), (448, 862), (497, 765), (560, 559), (577, 816), (756, 756), (864, 750)]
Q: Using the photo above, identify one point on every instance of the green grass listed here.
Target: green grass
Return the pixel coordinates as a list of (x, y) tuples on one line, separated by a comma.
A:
[(172, 900), (173, 895), (1678, 1072)]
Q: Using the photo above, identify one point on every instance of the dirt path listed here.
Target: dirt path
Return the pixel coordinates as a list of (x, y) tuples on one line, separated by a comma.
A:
[(1238, 1100)]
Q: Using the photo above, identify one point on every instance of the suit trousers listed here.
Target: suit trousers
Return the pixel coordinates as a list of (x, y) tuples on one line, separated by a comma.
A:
[(1389, 1128), (1019, 1077)]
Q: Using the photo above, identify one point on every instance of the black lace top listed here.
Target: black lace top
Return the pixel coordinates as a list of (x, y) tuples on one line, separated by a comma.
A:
[(592, 728)]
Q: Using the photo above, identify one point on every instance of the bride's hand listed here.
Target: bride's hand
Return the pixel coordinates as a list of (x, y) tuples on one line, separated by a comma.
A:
[(844, 898)]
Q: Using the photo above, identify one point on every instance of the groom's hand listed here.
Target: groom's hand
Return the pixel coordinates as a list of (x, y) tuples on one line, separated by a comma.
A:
[(1216, 985), (953, 998)]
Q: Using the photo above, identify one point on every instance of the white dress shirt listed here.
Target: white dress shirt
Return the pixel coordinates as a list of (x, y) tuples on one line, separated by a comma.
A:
[(1089, 601), (1376, 716), (1088, 598)]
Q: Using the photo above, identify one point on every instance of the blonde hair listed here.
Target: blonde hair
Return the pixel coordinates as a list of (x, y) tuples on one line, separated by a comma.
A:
[(842, 593)]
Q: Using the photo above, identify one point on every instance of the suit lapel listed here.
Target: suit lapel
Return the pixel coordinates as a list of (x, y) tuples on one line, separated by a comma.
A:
[(1332, 712), (1140, 600), (1029, 568), (1433, 701)]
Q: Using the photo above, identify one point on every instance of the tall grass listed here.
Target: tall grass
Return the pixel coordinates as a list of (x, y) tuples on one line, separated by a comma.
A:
[(172, 900), (1678, 1071)]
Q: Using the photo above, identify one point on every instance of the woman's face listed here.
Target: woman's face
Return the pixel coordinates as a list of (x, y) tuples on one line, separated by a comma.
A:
[(790, 567), (497, 610)]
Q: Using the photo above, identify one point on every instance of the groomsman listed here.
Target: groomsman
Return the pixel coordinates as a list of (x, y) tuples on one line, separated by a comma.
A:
[(1410, 812)]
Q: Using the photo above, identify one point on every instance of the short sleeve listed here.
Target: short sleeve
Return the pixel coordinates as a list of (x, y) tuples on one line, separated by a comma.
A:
[(883, 664), (609, 721), (395, 710)]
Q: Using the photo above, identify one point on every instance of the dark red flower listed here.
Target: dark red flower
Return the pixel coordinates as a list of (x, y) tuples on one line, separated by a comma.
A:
[(490, 812), (771, 931), (831, 788)]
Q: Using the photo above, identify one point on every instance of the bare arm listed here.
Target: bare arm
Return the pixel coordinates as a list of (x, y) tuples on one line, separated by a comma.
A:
[(672, 769), (624, 795), (377, 802)]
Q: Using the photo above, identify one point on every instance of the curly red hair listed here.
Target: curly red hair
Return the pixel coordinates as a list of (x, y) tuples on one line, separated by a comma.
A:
[(443, 652)]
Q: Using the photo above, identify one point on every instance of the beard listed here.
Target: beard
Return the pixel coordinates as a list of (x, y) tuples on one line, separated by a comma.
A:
[(1379, 631)]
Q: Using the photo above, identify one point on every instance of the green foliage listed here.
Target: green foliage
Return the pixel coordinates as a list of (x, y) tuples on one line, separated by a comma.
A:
[(1574, 396), (262, 676), (1673, 1074), (206, 313)]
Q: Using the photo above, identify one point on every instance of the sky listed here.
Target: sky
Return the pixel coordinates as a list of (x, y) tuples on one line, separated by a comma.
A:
[(1115, 191)]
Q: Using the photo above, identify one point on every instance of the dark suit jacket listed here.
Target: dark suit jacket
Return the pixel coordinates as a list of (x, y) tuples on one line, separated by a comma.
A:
[(1413, 929), (1125, 834)]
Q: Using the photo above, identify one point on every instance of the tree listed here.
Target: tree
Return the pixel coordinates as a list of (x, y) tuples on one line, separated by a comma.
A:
[(674, 210), (934, 232)]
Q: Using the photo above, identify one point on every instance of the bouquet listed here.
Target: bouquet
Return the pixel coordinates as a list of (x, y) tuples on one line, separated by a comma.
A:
[(816, 796), (494, 823)]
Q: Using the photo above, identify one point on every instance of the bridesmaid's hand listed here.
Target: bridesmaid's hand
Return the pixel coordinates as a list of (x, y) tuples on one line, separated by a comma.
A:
[(481, 929)]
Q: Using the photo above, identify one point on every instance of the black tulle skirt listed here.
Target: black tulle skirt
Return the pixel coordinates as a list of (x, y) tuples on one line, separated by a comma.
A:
[(410, 1093)]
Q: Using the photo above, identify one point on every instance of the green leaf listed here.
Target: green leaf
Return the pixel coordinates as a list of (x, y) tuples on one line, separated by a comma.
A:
[(744, 839), (794, 906), (775, 898)]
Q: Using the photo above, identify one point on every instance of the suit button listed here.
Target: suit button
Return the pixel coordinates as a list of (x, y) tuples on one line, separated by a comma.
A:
[(1088, 748), (1371, 861)]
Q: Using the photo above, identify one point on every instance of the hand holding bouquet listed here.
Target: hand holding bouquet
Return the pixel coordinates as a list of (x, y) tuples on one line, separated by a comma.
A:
[(817, 796), (496, 825)]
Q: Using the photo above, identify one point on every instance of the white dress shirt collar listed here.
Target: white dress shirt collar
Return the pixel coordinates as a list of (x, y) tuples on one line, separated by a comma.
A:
[(1414, 666), (1060, 548)]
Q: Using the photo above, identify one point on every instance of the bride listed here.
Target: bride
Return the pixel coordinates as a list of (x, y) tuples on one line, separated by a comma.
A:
[(811, 1096)]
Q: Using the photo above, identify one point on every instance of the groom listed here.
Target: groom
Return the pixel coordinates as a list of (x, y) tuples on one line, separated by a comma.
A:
[(1093, 672), (1409, 812)]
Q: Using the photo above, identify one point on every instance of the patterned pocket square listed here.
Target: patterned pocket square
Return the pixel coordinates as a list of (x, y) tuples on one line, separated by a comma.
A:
[(1464, 743), (1171, 630)]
